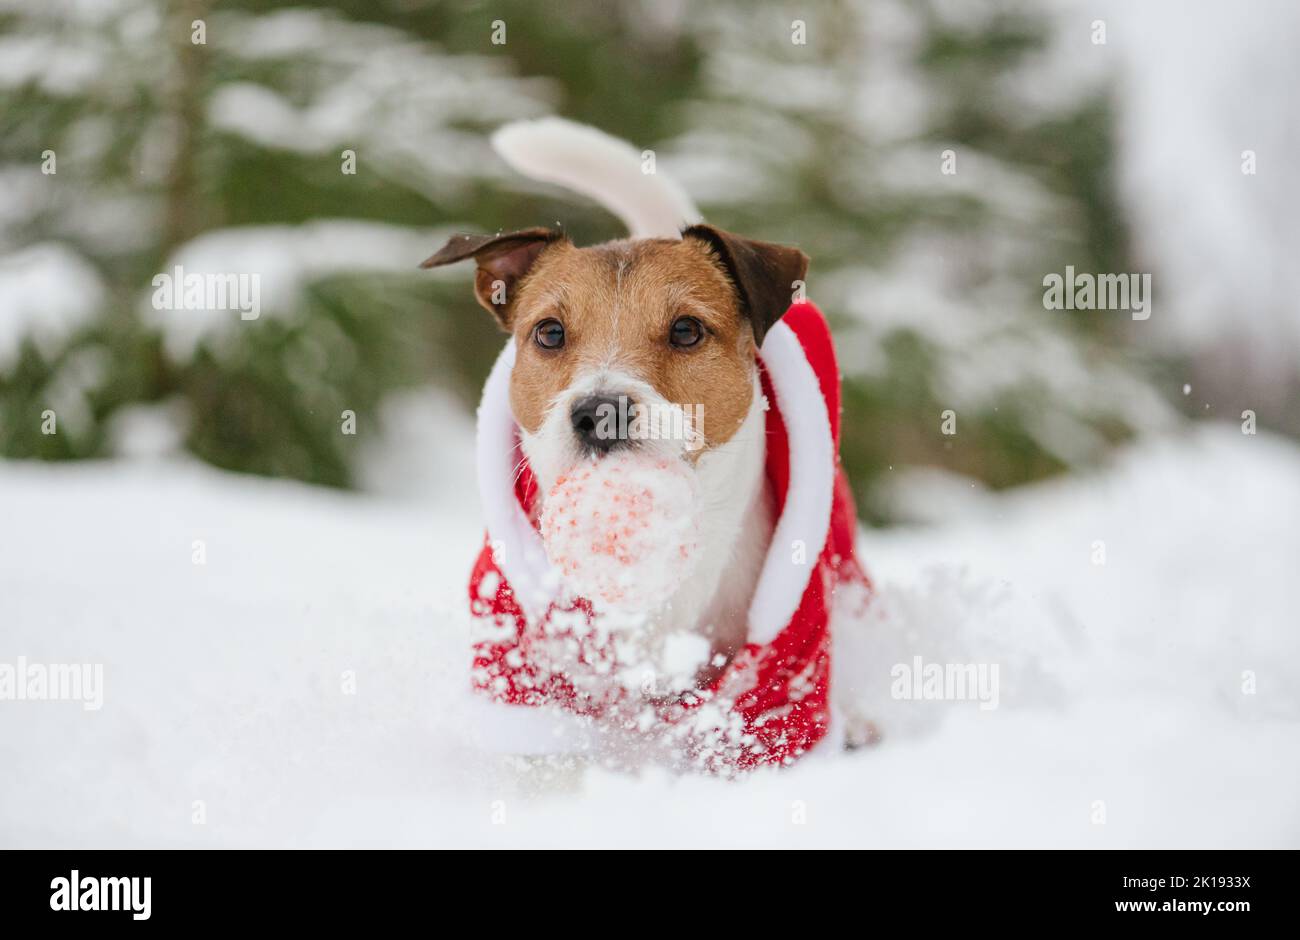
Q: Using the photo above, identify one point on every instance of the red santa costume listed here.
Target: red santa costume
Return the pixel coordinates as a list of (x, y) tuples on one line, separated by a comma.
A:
[(770, 704)]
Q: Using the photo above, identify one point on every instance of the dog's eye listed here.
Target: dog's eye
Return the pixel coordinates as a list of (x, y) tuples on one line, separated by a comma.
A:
[(549, 334), (686, 331)]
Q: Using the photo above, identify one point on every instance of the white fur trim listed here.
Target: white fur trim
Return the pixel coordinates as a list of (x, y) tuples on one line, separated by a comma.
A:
[(806, 515), (601, 167), (516, 545)]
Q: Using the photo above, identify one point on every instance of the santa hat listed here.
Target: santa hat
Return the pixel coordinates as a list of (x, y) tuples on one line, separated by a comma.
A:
[(771, 703)]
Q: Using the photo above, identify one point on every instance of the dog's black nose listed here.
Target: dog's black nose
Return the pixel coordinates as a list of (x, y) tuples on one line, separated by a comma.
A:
[(600, 422)]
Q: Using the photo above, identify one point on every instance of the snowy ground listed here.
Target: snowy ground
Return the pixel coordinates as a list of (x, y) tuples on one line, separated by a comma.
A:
[(1122, 683)]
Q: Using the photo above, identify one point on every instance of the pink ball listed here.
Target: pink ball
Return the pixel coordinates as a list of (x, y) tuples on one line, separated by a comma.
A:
[(622, 529)]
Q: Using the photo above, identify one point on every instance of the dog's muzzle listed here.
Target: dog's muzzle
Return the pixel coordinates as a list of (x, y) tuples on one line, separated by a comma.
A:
[(600, 423)]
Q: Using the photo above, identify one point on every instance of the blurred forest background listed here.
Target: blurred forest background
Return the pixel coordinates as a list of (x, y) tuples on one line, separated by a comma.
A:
[(227, 156)]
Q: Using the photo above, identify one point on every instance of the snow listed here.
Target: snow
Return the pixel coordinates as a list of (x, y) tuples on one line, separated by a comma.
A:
[(1194, 88), (276, 262), (58, 67), (226, 682), (405, 107), (1195, 93), (623, 530), (47, 292)]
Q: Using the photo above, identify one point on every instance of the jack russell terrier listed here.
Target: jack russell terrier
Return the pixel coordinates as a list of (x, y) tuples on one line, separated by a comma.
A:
[(679, 314)]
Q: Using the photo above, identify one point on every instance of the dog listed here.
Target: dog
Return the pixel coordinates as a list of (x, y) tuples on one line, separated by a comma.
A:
[(674, 315)]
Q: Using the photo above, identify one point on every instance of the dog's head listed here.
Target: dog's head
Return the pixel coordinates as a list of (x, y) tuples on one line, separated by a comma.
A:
[(636, 343)]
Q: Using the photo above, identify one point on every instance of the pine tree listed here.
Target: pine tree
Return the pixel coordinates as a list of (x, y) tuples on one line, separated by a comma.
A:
[(330, 147), (890, 140)]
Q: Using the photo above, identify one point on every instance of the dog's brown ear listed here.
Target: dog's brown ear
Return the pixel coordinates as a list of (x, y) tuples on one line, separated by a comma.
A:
[(502, 262), (764, 273)]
